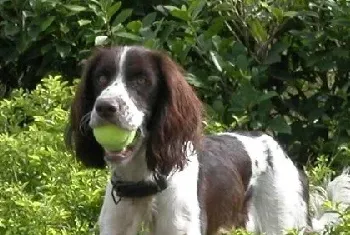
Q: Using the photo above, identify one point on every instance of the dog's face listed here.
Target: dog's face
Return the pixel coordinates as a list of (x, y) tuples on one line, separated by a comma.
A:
[(136, 89), (125, 82)]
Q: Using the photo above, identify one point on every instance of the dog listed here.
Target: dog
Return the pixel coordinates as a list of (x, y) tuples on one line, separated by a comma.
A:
[(174, 179)]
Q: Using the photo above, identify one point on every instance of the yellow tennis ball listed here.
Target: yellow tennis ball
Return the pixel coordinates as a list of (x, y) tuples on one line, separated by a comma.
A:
[(113, 138)]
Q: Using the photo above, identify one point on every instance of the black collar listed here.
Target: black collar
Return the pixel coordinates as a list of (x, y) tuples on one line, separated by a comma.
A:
[(144, 188)]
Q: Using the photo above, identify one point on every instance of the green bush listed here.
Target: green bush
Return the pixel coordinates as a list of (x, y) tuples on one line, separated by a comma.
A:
[(266, 65), (40, 37), (270, 66), (43, 190)]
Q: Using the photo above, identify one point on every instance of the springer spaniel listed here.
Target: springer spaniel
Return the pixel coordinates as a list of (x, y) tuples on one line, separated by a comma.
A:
[(174, 178)]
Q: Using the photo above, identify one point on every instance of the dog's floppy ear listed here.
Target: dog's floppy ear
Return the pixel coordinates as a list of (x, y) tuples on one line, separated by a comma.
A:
[(176, 119), (79, 135)]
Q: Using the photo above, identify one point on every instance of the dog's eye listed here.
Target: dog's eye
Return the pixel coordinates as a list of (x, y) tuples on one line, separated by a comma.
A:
[(140, 80), (103, 81)]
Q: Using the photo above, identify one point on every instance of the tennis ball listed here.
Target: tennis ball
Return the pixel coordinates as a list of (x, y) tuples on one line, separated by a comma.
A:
[(113, 138)]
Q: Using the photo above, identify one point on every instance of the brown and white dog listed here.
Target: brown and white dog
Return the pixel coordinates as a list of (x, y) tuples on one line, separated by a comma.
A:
[(174, 178)]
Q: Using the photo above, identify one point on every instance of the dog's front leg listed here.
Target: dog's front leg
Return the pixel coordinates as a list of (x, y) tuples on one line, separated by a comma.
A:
[(177, 207), (124, 218)]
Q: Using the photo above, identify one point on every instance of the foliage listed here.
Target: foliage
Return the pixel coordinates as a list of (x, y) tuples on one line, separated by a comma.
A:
[(43, 190), (270, 66), (39, 37), (321, 171), (258, 65)]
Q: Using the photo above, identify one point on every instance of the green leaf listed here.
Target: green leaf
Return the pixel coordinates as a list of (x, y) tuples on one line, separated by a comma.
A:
[(129, 36), (64, 28), (100, 40), (215, 27), (134, 25), (205, 43), (183, 15), (149, 19), (265, 5), (75, 8), (171, 8), (258, 30), (151, 43), (279, 125), (178, 13), (272, 58), (238, 48), (340, 53), (46, 48), (11, 29), (223, 7), (242, 62), (218, 106), (300, 13), (194, 81), (249, 94), (63, 49), (343, 21), (214, 78), (290, 13), (113, 9), (24, 42), (34, 31), (326, 64), (196, 7), (83, 22), (277, 13), (275, 51), (147, 33), (266, 96), (122, 16), (216, 60), (309, 13), (164, 34), (34, 157), (47, 22)]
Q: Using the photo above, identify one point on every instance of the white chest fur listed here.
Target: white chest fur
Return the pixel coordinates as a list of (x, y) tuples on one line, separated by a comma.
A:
[(174, 211)]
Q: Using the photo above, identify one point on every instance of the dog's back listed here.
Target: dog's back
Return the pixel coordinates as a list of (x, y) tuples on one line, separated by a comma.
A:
[(247, 180)]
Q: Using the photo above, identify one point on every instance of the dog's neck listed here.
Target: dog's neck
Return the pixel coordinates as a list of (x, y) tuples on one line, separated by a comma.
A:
[(133, 179), (135, 169)]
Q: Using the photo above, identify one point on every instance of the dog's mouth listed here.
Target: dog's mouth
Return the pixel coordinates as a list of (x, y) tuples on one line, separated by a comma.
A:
[(125, 154), (114, 156)]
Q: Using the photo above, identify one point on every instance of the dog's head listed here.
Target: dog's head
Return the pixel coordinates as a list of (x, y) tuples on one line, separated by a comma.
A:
[(136, 89)]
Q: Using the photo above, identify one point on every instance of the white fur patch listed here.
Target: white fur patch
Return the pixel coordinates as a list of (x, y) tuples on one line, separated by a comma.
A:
[(124, 218), (277, 203), (129, 116), (175, 211)]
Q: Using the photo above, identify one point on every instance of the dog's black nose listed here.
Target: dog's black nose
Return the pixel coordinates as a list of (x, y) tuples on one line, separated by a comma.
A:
[(105, 108)]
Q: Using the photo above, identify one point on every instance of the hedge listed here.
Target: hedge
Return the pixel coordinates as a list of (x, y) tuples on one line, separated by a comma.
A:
[(277, 66)]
